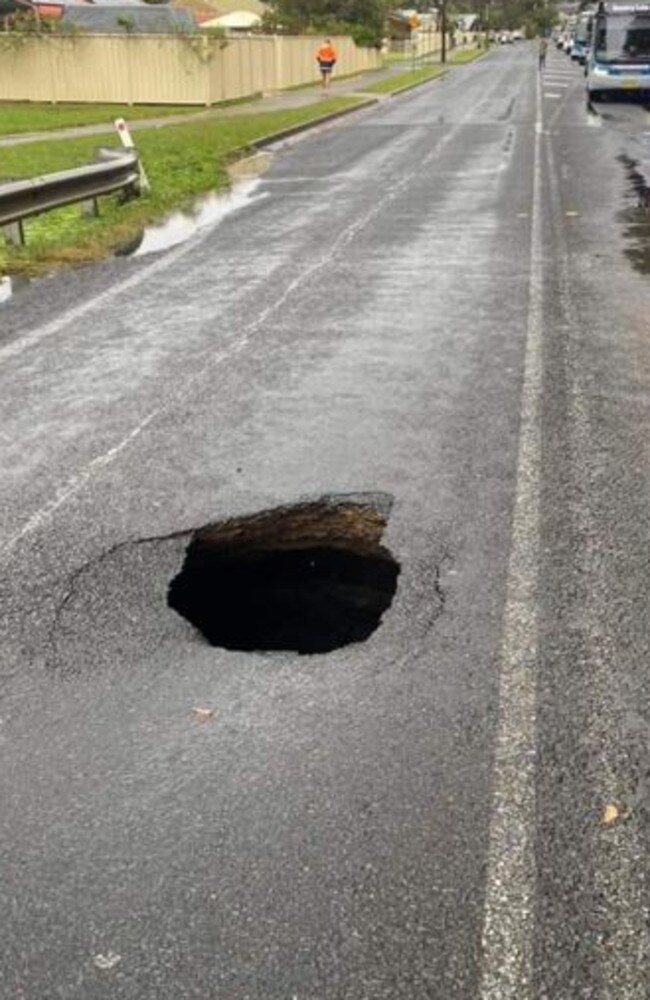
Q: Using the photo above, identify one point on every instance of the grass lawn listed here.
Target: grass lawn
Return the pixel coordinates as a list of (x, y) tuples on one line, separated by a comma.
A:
[(18, 117), (182, 161), (406, 79), (464, 55)]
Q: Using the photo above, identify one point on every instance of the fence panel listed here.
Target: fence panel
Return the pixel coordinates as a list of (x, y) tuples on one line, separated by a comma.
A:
[(156, 69)]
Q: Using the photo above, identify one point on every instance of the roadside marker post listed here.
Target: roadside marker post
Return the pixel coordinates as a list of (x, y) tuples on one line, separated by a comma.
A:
[(128, 143)]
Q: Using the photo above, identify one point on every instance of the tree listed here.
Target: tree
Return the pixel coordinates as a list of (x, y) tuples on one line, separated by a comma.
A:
[(363, 19)]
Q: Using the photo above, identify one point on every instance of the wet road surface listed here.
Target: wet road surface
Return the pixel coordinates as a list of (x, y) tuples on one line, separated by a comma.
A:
[(441, 302)]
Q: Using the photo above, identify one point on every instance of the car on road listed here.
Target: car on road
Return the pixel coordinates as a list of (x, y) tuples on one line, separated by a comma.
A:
[(582, 37), (505, 38)]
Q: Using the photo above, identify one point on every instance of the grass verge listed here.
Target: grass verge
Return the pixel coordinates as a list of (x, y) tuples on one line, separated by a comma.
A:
[(465, 55), (18, 118), (182, 162), (407, 79)]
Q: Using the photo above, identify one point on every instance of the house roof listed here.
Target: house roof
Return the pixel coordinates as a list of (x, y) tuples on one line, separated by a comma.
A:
[(237, 19), (201, 9), (116, 3), (145, 19), (467, 22), (224, 7)]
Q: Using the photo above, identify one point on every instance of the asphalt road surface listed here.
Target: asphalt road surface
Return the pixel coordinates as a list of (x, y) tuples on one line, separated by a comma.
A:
[(443, 301)]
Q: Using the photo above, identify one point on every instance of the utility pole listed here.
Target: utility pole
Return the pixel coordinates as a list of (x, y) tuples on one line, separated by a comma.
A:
[(443, 27)]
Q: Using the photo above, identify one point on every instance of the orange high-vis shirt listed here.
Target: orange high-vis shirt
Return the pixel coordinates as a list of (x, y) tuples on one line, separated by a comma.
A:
[(326, 53)]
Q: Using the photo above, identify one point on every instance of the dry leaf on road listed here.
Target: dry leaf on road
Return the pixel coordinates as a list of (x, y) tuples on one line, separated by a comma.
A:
[(611, 812), (107, 961), (203, 714)]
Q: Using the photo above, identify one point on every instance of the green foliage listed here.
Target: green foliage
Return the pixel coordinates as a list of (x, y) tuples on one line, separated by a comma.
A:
[(16, 117), (407, 79), (365, 37), (535, 16), (363, 19), (125, 21), (27, 22)]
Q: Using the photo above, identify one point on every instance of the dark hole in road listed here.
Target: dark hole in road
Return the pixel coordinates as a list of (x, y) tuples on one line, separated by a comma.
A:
[(309, 578)]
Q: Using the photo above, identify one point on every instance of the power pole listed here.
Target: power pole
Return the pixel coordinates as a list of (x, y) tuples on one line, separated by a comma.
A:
[(443, 26)]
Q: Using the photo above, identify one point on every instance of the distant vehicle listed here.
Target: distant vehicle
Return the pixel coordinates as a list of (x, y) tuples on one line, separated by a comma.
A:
[(618, 63), (505, 38), (582, 37), (517, 36), (567, 37)]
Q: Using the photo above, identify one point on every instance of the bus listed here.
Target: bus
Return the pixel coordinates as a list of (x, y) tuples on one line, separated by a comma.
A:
[(618, 63)]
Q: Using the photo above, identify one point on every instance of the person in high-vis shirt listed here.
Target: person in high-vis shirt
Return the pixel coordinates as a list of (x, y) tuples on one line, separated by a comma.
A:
[(326, 58)]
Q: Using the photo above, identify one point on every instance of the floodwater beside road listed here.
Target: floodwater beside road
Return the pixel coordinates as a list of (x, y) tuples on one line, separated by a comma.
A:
[(206, 212)]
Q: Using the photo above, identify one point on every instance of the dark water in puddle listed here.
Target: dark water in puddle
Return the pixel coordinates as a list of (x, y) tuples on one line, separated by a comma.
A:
[(635, 217)]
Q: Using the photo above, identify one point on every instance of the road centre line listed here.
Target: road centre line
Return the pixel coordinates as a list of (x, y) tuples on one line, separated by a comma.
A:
[(508, 925), (80, 479)]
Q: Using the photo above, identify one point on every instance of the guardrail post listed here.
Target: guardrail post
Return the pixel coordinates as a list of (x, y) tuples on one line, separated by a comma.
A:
[(14, 233), (90, 208), (128, 143)]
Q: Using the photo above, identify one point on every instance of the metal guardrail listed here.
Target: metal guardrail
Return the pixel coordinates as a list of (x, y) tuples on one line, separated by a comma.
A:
[(21, 199)]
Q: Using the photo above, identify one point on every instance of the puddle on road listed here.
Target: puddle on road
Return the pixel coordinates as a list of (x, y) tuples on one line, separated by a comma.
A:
[(209, 210), (180, 226), (309, 578), (636, 216), (632, 118)]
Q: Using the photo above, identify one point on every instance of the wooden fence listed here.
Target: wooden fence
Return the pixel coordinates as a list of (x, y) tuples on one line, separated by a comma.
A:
[(162, 69)]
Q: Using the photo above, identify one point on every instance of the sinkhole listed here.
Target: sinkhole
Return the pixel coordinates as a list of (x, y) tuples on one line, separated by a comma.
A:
[(309, 578)]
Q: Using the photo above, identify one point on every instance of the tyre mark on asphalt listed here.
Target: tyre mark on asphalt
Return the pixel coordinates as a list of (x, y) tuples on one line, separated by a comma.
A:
[(619, 859), (510, 886)]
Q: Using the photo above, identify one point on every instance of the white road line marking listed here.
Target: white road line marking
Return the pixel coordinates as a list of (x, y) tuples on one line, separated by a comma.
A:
[(510, 889)]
